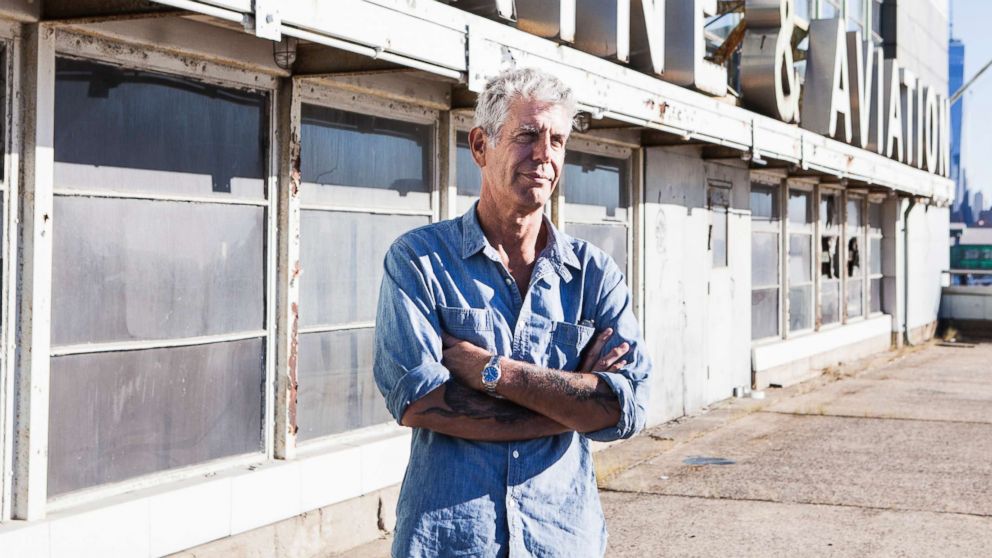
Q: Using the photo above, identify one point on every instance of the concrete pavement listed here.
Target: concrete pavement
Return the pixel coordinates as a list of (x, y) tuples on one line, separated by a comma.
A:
[(887, 457)]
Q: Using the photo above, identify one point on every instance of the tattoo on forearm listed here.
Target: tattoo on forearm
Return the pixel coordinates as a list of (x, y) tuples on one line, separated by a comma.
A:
[(602, 395), (464, 402)]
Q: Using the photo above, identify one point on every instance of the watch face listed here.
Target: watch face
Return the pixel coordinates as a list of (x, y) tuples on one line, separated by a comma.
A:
[(490, 374)]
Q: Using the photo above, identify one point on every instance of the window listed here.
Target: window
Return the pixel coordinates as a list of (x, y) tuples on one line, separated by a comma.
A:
[(801, 308), (855, 252), (718, 194), (366, 180), (856, 16), (830, 249), (158, 274), (830, 9), (596, 191), (875, 256), (468, 176), (765, 260)]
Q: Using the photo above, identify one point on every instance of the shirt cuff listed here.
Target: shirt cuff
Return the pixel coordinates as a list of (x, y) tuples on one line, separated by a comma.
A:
[(627, 426), (415, 384)]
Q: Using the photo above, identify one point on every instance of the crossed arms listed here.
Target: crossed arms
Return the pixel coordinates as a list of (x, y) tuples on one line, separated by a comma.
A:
[(436, 383), (538, 401)]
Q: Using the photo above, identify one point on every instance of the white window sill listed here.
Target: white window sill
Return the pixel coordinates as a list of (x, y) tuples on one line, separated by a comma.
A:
[(771, 355), (180, 515)]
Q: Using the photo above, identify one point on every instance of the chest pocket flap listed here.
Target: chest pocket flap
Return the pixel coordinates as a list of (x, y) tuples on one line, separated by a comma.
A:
[(464, 320), (567, 342)]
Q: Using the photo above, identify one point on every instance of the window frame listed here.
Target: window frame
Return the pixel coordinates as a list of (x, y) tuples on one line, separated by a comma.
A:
[(77, 46), (314, 91), (875, 233), (559, 206), (809, 230), (860, 231), (838, 233), (9, 55), (772, 226)]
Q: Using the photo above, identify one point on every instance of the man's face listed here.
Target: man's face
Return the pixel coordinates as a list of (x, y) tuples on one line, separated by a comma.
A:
[(524, 166)]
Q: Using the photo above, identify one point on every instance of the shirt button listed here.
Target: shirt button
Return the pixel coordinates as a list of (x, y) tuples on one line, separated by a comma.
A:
[(511, 502), (516, 454), (508, 281)]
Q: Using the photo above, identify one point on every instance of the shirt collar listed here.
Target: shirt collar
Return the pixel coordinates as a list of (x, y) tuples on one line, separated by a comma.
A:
[(558, 251)]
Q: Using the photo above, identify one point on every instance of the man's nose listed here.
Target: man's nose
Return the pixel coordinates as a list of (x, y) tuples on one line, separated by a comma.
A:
[(542, 148)]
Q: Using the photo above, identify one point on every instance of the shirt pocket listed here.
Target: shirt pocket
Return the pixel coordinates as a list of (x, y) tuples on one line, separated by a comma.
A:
[(474, 325), (567, 342)]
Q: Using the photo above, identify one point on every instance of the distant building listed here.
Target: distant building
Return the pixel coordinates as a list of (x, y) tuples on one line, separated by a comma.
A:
[(979, 205), (955, 79)]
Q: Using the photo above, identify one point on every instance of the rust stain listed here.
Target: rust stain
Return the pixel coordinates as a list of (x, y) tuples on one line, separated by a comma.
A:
[(662, 109), (293, 357)]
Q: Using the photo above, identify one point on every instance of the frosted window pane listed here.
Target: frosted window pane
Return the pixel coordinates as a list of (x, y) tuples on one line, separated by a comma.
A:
[(764, 313), (855, 298), (764, 259), (125, 269), (468, 176), (854, 213), (876, 295), (341, 255), (828, 210), (875, 216), (353, 159), (337, 391), (800, 207), (611, 239), (800, 258), (114, 416), (138, 131), (800, 308), (830, 301), (718, 239), (598, 181), (876, 256), (764, 202)]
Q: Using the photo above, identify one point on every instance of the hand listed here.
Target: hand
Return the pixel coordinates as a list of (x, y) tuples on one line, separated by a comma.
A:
[(464, 360), (610, 362)]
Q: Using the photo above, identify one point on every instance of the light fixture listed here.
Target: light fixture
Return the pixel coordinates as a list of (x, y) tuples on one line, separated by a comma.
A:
[(284, 52), (582, 122)]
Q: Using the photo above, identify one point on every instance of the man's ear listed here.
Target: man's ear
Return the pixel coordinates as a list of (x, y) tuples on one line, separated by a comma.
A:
[(477, 143)]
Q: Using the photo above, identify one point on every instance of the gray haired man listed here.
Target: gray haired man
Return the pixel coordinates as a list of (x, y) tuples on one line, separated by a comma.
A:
[(507, 346)]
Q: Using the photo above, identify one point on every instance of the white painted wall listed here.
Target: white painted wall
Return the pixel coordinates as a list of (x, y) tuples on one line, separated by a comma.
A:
[(928, 255), (697, 320)]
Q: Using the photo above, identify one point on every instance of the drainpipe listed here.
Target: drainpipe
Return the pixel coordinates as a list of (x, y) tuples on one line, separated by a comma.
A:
[(905, 271)]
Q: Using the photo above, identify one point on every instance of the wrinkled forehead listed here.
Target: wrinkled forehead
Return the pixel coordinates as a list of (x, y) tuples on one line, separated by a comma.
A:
[(530, 114)]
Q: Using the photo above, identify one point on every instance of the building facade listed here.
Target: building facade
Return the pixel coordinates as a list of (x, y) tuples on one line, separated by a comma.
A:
[(197, 196)]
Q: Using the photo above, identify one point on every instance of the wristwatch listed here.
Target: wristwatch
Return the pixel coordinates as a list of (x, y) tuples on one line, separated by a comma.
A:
[(491, 374)]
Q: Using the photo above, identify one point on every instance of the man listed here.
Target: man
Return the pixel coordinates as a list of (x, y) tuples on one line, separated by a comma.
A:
[(507, 346)]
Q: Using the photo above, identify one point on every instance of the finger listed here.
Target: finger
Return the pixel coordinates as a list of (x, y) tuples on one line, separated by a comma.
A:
[(612, 356), (592, 353), (618, 366), (448, 340)]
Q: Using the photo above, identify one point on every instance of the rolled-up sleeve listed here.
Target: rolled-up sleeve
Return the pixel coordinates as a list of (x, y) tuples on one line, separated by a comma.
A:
[(407, 362), (631, 385)]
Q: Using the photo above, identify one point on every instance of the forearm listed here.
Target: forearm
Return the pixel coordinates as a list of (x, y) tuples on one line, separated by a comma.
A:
[(580, 401), (456, 410)]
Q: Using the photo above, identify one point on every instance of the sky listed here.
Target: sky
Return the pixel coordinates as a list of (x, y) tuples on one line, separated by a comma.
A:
[(972, 23)]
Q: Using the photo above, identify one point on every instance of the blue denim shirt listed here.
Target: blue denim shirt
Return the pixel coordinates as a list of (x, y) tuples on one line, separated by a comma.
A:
[(532, 498)]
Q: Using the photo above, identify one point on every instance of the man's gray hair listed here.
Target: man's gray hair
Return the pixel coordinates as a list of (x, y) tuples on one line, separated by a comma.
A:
[(493, 104)]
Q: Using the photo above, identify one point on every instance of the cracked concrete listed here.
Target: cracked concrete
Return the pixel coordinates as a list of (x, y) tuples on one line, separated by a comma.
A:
[(889, 456)]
